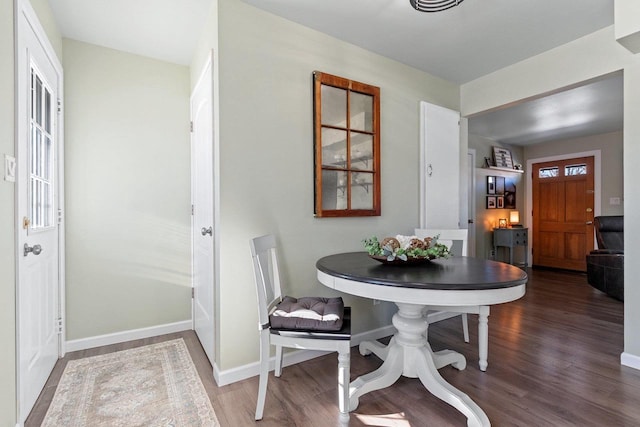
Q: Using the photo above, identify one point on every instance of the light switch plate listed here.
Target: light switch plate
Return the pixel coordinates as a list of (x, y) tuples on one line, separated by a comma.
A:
[(9, 168), (614, 201)]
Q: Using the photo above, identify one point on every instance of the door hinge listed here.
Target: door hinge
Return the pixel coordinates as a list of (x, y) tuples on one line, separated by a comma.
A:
[(59, 106), (192, 210), (193, 293), (59, 325), (59, 216), (191, 126)]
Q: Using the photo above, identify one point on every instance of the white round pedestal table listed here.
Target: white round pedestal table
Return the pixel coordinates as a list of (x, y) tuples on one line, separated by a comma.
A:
[(453, 282)]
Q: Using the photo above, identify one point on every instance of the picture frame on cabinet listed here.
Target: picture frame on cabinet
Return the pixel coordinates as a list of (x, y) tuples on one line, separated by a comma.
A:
[(491, 185), (499, 185), (491, 202), (509, 194)]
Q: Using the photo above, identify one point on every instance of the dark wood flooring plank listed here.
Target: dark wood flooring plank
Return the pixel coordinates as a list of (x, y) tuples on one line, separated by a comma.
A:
[(554, 360)]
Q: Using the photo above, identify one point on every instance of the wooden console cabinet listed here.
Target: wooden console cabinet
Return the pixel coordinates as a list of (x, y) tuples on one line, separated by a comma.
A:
[(512, 238)]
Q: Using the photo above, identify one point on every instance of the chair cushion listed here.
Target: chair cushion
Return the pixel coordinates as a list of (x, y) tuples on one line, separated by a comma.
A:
[(308, 313)]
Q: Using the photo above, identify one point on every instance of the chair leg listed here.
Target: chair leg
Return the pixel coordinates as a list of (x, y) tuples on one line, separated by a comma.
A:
[(465, 326), (278, 370), (264, 373), (344, 375)]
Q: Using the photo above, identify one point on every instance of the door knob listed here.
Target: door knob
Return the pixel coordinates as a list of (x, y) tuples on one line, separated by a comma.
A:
[(589, 222), (36, 249), (206, 231)]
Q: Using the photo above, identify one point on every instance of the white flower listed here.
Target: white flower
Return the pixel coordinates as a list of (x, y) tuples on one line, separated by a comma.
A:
[(405, 241)]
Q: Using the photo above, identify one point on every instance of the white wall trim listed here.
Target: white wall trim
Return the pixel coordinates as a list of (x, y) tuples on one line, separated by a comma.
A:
[(630, 360), (123, 336), (470, 200), (597, 185), (252, 369)]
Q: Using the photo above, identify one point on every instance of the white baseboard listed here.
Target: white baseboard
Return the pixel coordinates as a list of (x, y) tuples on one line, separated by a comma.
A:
[(134, 334), (240, 373), (630, 360)]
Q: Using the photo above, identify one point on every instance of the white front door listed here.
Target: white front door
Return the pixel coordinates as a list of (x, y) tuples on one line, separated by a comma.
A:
[(38, 152), (203, 208)]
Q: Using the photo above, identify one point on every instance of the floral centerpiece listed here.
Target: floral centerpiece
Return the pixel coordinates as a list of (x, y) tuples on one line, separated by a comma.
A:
[(405, 249)]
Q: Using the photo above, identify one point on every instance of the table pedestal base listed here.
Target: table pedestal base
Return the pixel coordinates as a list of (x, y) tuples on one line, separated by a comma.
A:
[(409, 354)]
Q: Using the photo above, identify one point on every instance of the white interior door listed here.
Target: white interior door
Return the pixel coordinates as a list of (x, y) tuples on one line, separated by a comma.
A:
[(439, 167), (203, 208), (39, 179)]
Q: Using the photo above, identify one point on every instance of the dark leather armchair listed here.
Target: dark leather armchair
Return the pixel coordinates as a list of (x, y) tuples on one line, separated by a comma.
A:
[(605, 266)]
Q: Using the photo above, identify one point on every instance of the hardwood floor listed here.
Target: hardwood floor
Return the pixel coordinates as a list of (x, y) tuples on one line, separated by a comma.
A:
[(554, 360)]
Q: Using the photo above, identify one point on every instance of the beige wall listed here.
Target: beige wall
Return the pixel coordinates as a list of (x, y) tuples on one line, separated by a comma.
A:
[(627, 27), (127, 191), (591, 56), (266, 158), (48, 22), (7, 242), (611, 151), (208, 41)]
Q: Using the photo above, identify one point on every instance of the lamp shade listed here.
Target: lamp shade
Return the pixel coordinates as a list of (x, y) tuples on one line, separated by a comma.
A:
[(514, 217)]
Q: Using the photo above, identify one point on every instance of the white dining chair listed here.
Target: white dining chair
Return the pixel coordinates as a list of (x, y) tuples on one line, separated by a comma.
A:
[(304, 334), (435, 314), (448, 238)]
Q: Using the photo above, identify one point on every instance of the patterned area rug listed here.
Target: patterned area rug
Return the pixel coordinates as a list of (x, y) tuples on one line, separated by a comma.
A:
[(154, 385)]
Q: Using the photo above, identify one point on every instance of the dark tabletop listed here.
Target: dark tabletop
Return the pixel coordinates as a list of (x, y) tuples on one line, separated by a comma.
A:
[(457, 273)]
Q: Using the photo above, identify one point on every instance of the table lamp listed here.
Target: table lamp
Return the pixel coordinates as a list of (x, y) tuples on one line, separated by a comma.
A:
[(514, 219)]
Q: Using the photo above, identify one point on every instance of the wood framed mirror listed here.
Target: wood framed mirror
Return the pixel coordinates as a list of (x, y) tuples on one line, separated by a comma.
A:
[(346, 147)]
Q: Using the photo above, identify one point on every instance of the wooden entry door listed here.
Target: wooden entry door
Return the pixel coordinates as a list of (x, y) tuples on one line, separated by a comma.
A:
[(563, 199)]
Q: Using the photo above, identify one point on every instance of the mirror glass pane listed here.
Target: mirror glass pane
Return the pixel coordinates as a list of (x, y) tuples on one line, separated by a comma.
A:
[(361, 151), (361, 190), (334, 106), (38, 101), (334, 148), (334, 190), (361, 112)]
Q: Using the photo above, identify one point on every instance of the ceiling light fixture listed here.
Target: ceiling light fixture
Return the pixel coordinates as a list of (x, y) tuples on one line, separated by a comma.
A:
[(433, 5)]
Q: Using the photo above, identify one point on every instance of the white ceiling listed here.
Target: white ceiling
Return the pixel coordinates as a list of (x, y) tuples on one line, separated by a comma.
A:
[(163, 29), (460, 44), (590, 109)]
